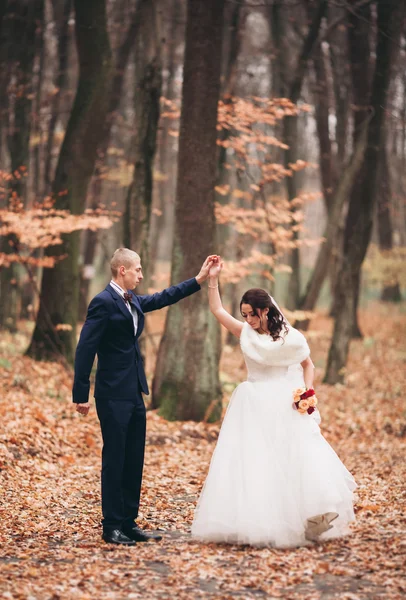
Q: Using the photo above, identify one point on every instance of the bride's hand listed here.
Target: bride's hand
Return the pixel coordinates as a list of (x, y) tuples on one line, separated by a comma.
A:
[(216, 267)]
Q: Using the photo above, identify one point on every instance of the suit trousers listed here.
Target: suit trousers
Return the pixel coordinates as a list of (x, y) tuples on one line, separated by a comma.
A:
[(123, 427)]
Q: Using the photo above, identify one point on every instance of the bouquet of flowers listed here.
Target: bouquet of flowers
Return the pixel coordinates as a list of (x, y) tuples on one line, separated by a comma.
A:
[(304, 400)]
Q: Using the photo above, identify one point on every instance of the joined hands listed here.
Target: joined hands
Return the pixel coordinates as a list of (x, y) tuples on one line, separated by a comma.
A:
[(208, 264)]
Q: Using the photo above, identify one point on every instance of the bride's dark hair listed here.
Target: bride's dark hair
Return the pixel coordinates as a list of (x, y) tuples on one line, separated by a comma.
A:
[(260, 299)]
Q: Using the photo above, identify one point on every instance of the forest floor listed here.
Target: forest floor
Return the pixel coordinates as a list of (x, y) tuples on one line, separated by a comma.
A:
[(50, 540)]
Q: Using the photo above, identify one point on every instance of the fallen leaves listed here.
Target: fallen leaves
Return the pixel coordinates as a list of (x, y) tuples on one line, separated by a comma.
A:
[(50, 499)]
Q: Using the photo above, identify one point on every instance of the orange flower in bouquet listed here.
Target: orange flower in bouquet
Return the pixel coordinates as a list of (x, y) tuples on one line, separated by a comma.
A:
[(304, 401)]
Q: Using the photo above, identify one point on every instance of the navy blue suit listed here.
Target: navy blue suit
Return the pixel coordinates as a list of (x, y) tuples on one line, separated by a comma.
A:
[(120, 378)]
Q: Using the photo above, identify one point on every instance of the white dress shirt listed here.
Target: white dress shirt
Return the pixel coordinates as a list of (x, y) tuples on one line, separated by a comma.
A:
[(132, 310)]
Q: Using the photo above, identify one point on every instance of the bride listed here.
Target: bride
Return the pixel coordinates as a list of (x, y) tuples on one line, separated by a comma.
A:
[(273, 479)]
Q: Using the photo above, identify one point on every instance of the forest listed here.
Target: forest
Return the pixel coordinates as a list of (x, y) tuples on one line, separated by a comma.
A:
[(270, 132)]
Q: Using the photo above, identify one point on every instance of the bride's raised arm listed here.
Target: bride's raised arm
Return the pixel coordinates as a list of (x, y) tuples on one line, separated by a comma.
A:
[(228, 321)]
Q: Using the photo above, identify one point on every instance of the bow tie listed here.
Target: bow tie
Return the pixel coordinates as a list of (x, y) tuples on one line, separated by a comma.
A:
[(127, 297)]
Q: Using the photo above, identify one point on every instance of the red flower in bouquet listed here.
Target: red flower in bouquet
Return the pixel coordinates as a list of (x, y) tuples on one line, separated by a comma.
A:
[(304, 400)]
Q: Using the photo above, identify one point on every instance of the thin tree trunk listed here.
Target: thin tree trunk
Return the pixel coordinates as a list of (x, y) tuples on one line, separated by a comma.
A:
[(361, 209), (23, 18), (339, 57), (22, 21), (391, 290), (60, 82), (235, 17), (290, 137), (3, 9), (186, 379), (37, 129), (359, 38), (334, 199), (338, 53), (164, 193), (147, 94), (309, 300), (60, 285), (322, 112)]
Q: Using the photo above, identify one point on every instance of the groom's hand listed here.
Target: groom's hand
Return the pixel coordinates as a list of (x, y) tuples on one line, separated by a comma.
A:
[(83, 408), (204, 271)]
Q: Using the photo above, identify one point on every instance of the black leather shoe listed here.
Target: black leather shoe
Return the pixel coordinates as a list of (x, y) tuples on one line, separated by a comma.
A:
[(138, 535), (116, 536)]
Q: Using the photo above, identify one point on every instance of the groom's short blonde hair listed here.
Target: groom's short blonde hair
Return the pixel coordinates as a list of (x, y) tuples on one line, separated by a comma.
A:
[(122, 257)]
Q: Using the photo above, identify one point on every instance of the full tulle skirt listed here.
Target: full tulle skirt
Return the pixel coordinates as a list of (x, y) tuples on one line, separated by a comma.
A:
[(271, 470)]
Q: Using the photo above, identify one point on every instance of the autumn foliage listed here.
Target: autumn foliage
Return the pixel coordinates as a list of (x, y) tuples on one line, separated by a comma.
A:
[(265, 223), (40, 226)]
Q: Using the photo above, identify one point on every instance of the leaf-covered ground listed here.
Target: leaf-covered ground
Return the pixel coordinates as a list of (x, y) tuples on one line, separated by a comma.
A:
[(50, 504)]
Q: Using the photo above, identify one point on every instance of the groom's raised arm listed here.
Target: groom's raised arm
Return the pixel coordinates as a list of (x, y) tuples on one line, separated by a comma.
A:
[(90, 336), (173, 294), (169, 296)]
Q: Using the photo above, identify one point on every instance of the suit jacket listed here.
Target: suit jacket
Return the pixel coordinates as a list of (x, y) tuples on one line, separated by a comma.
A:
[(109, 332)]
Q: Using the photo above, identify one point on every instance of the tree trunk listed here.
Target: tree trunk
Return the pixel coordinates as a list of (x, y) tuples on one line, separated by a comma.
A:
[(91, 237), (391, 290), (186, 380), (339, 57), (335, 193), (36, 181), (147, 94), (3, 9), (309, 299), (328, 173), (338, 51), (60, 285), (165, 188), (359, 42), (62, 21), (234, 25), (290, 137), (22, 20), (361, 209)]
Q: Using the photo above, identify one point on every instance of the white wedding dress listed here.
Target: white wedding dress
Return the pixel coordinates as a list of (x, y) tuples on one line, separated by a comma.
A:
[(272, 469)]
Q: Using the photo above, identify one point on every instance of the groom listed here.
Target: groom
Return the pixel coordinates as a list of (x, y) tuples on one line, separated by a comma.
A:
[(114, 322)]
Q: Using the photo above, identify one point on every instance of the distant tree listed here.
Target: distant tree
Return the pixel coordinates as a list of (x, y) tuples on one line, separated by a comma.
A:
[(359, 35), (147, 94), (22, 23), (291, 82), (339, 176), (186, 380), (62, 13), (390, 289), (165, 161), (359, 219), (60, 286), (122, 57)]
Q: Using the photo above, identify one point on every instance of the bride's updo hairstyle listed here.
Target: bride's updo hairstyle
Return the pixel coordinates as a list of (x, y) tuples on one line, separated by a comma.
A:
[(260, 299)]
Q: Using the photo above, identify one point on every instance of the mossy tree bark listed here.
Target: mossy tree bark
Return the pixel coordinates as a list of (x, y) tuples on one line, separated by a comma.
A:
[(147, 94), (60, 285), (359, 220), (186, 383)]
